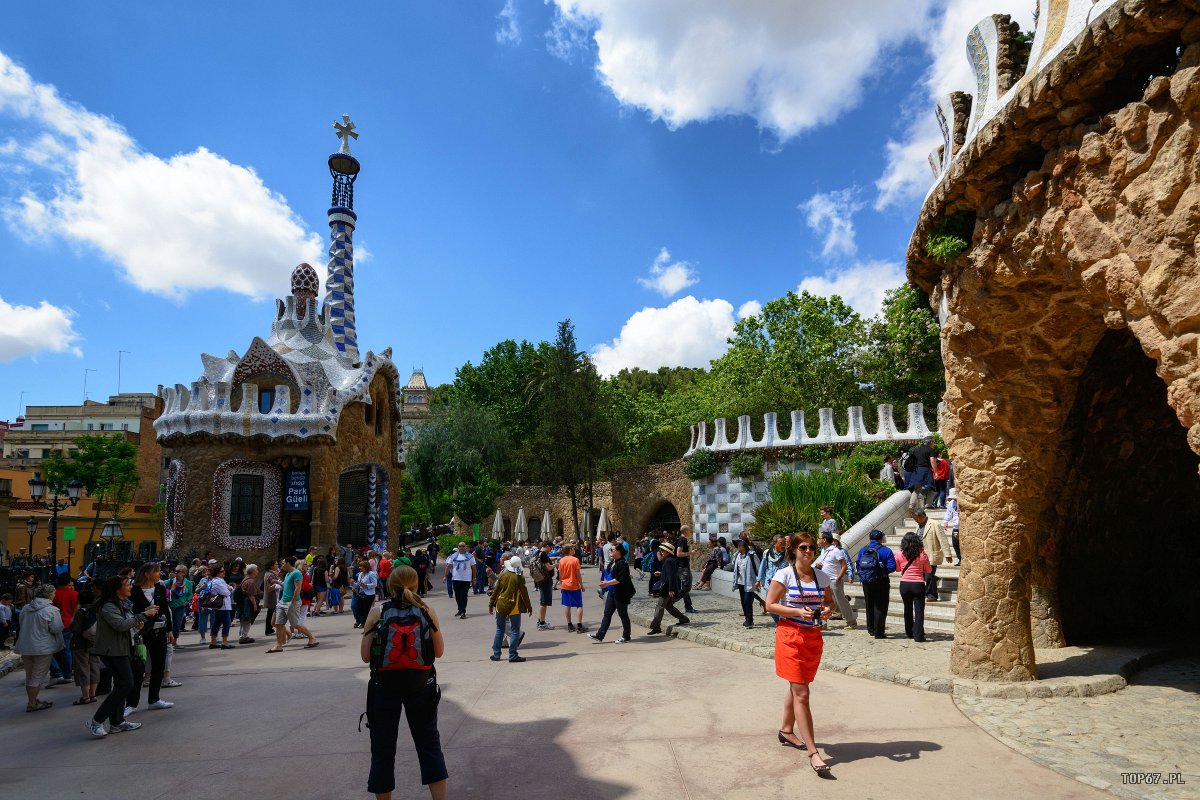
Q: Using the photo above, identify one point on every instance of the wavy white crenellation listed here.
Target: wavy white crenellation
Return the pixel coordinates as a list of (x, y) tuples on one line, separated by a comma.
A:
[(827, 434), (1059, 23)]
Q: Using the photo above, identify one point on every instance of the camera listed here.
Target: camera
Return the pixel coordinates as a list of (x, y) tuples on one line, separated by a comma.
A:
[(816, 616)]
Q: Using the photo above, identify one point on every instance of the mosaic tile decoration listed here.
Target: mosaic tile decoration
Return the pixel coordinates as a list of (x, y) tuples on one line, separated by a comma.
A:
[(304, 359), (827, 434), (222, 488), (720, 514), (175, 502)]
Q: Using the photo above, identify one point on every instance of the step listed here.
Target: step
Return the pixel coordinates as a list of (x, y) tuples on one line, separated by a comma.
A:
[(939, 616), (948, 594)]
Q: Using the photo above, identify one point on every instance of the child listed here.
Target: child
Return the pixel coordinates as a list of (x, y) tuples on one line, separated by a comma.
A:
[(6, 614)]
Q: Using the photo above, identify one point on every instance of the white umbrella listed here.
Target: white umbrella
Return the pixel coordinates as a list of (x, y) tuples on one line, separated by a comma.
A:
[(546, 525), (602, 525), (587, 520), (498, 525), (521, 531)]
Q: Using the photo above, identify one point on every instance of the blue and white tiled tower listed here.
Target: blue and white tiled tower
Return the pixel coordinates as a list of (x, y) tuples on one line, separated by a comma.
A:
[(339, 285)]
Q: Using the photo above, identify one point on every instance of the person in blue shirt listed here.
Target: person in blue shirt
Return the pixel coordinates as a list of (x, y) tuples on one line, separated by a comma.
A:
[(875, 563)]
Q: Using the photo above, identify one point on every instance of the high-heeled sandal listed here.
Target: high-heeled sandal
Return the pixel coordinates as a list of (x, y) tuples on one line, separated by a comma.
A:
[(783, 741), (823, 770)]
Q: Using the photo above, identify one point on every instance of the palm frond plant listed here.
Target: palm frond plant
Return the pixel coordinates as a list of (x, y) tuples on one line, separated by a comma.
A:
[(795, 498)]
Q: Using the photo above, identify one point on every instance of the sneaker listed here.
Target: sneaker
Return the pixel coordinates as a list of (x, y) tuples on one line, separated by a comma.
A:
[(542, 626), (124, 726), (571, 627), (129, 710), (683, 621), (653, 631), (622, 640), (161, 704), (245, 640), (494, 658), (95, 728), (580, 629), (172, 684), (594, 637), (517, 660)]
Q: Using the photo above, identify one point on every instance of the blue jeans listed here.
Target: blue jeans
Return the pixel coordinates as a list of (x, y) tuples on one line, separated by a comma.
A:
[(513, 636), (178, 617), (222, 619), (61, 663), (205, 620), (480, 579)]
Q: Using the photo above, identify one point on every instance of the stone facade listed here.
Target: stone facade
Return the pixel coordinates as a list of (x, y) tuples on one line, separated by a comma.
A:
[(358, 442), (1070, 332)]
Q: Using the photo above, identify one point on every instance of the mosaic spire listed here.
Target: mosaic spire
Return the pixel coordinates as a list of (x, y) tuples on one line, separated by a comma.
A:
[(339, 285)]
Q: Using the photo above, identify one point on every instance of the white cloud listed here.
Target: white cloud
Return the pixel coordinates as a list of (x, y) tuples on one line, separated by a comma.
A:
[(749, 308), (509, 31), (669, 279), (190, 222), (831, 215), (687, 333), (790, 66), (907, 175), (862, 285), (30, 330)]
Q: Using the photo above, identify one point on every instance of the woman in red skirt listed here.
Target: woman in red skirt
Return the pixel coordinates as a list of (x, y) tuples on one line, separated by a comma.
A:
[(800, 595)]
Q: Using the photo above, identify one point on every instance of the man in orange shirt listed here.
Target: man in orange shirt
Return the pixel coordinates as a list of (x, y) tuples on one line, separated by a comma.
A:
[(572, 587)]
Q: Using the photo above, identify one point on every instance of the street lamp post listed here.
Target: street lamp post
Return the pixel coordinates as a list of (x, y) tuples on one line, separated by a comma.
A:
[(31, 528), (37, 493)]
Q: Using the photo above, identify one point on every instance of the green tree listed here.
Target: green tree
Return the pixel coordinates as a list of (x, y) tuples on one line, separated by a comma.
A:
[(107, 468), (800, 351), (903, 357), (575, 428)]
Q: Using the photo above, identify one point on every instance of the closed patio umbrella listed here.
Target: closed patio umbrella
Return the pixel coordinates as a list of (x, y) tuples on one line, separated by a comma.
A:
[(546, 533), (602, 524), (498, 525), (521, 531)]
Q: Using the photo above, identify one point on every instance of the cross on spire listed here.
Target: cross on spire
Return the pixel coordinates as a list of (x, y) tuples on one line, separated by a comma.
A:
[(345, 132)]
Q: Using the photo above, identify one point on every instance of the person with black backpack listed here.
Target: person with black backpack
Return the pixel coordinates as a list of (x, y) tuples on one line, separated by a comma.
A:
[(401, 641), (875, 562)]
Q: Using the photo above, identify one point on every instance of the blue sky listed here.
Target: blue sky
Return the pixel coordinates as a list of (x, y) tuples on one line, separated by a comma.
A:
[(650, 170)]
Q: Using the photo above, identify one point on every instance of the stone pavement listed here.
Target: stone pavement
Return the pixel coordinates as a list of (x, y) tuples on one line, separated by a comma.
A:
[(659, 717), (1150, 728), (1092, 737)]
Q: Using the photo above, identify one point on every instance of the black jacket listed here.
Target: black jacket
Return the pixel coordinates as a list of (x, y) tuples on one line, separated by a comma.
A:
[(140, 604), (624, 590), (670, 579)]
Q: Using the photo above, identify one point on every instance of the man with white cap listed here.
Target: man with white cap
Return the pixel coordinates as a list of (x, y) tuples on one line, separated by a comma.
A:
[(509, 600)]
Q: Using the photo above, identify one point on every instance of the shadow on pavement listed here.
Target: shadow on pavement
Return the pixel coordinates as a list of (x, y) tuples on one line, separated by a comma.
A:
[(846, 752), (489, 771)]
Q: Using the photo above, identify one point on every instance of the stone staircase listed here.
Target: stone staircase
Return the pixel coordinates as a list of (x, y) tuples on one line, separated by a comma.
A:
[(939, 616)]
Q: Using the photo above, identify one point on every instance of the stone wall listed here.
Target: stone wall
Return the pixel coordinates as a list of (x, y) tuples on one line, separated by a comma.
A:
[(632, 498), (1087, 206)]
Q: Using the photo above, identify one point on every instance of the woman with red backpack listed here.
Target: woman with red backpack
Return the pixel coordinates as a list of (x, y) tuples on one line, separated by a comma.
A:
[(403, 682)]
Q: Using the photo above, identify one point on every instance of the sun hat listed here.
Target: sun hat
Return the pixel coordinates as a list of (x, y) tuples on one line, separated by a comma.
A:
[(667, 548)]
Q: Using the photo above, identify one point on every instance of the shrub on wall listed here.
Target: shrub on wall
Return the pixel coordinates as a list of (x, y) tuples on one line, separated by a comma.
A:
[(746, 465), (701, 464)]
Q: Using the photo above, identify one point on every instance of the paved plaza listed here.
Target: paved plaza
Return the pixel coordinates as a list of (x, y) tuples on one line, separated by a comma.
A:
[(683, 720)]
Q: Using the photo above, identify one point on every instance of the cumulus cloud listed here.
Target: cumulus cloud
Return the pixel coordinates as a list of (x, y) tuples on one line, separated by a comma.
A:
[(668, 278), (749, 308), (862, 285), (509, 31), (190, 222), (31, 330), (831, 215), (790, 66), (687, 333), (907, 175)]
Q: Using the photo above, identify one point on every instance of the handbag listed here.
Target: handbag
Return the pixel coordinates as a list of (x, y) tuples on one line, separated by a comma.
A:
[(213, 601)]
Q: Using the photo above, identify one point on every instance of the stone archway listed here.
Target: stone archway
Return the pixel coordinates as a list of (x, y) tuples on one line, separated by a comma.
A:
[(1127, 496), (663, 516), (1071, 338)]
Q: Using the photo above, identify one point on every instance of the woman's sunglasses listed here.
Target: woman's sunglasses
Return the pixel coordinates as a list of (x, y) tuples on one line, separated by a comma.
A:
[(805, 548)]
